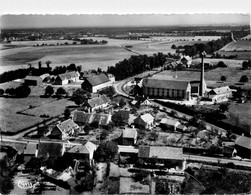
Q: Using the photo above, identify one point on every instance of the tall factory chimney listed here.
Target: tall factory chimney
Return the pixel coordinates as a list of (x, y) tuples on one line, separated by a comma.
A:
[(202, 80)]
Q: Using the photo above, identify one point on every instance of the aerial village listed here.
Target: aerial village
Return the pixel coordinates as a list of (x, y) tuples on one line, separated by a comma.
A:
[(128, 143)]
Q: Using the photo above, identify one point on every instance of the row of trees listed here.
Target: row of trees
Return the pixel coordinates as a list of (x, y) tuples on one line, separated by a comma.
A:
[(209, 47), (20, 92), (49, 91), (136, 65)]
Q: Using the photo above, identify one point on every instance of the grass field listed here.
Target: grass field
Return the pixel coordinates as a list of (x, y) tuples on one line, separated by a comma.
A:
[(238, 46), (9, 107)]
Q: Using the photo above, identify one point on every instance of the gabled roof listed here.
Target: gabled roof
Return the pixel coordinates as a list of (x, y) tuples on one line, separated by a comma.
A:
[(220, 90), (68, 75), (169, 121), (129, 133), (87, 148), (82, 117), (97, 101), (146, 117), (35, 78), (67, 126), (97, 79), (163, 82), (181, 127), (30, 149), (188, 58), (244, 142), (160, 152), (53, 149)]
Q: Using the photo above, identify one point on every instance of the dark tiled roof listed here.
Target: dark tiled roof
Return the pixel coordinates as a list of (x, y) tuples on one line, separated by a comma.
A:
[(160, 152), (68, 75), (53, 149), (79, 149), (82, 117), (244, 142), (165, 83), (67, 126), (98, 79)]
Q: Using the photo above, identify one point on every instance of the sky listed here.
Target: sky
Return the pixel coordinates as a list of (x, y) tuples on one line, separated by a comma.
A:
[(121, 7)]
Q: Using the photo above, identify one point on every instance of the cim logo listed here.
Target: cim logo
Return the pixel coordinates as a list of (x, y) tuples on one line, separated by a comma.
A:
[(24, 184)]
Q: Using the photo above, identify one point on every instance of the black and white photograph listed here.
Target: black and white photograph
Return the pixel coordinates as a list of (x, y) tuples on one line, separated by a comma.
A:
[(125, 97)]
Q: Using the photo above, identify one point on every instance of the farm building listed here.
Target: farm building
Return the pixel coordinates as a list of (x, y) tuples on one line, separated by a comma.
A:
[(82, 152), (160, 153), (243, 147), (69, 77), (30, 151), (129, 136), (33, 80), (82, 118), (220, 94), (96, 103), (49, 149), (141, 102), (96, 83), (169, 123), (145, 121), (186, 60), (64, 130), (167, 87)]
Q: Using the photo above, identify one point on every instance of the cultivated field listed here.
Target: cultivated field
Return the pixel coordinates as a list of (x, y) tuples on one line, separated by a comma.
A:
[(89, 56), (229, 62), (237, 46), (233, 74)]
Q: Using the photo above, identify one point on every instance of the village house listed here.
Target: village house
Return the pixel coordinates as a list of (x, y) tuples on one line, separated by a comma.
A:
[(64, 130), (243, 147), (160, 154), (96, 83), (144, 121), (33, 80), (129, 136), (30, 151), (82, 118), (95, 103), (69, 77), (220, 94), (170, 124), (83, 152), (186, 60), (141, 102), (49, 149)]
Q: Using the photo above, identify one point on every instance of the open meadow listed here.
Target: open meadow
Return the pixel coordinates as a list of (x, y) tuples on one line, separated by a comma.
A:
[(20, 113)]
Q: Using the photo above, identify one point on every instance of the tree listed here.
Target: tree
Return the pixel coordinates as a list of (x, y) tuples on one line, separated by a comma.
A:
[(80, 96), (10, 91), (153, 135), (173, 46), (104, 134), (39, 65), (245, 65), (224, 107), (120, 117), (67, 113), (221, 64), (79, 68), (223, 78), (108, 91), (106, 151), (22, 91), (122, 102), (49, 91), (48, 63), (6, 176), (87, 129), (72, 67), (1, 91), (61, 92), (244, 79)]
